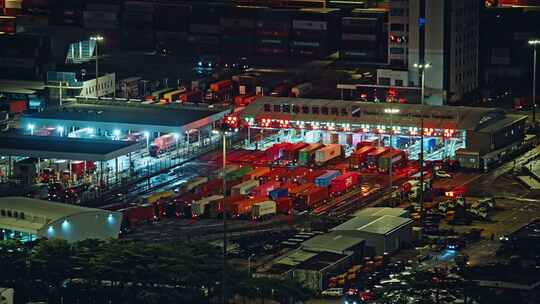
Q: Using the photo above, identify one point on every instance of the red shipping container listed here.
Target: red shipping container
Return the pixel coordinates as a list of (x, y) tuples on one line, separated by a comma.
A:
[(311, 176), (300, 189), (265, 188), (243, 207), (17, 106), (221, 85), (359, 157), (290, 152), (273, 175), (77, 167), (344, 183), (284, 205), (216, 207), (313, 197), (137, 214)]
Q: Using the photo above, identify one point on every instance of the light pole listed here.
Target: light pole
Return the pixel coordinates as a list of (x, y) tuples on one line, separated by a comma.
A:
[(97, 39), (534, 43), (422, 69), (391, 111), (223, 131), (249, 264), (147, 136)]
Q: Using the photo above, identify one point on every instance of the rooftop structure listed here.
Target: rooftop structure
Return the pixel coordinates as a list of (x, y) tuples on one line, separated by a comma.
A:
[(380, 211), (334, 242), (382, 225), (22, 216), (107, 115), (64, 147)]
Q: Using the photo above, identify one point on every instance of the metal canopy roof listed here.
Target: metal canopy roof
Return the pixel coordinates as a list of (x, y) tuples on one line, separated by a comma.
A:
[(108, 115), (462, 118), (383, 225), (33, 214), (380, 211), (334, 242), (65, 147), (21, 87)]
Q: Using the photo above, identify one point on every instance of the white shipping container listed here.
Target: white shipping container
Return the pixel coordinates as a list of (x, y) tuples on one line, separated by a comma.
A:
[(195, 182), (310, 25), (327, 153), (263, 208), (301, 89), (198, 207), (245, 187)]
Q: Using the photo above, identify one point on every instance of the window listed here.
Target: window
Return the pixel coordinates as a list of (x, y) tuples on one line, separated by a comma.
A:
[(397, 27), (295, 109), (344, 112), (267, 107), (277, 108), (384, 81), (399, 82), (305, 109), (397, 50), (3, 212), (324, 110), (9, 213), (315, 110), (22, 215), (334, 111), (16, 214), (356, 111), (286, 108)]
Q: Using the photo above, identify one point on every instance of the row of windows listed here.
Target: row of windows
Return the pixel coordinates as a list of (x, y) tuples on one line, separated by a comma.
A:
[(10, 213), (102, 86)]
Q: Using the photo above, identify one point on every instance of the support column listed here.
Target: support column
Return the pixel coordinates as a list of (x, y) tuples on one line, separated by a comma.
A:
[(116, 171), (9, 166)]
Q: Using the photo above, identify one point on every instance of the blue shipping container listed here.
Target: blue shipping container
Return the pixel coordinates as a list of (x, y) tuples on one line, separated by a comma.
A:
[(325, 179), (280, 192), (430, 144)]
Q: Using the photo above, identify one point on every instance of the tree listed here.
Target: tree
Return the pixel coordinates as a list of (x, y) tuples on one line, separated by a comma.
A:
[(13, 257)]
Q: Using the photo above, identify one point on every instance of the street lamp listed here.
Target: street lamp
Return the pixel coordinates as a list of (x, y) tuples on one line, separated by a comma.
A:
[(534, 43), (97, 39), (223, 130), (422, 69), (391, 111)]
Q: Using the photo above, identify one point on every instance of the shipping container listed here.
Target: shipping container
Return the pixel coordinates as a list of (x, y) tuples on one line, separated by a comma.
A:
[(162, 144), (244, 100), (199, 209), (294, 192), (195, 182), (325, 179), (291, 151), (373, 156), (312, 198), (301, 89), (238, 174), (138, 214), (194, 96), (256, 173), (243, 208), (285, 205), (174, 96), (264, 189), (245, 187), (216, 207), (359, 157), (8, 25), (344, 183), (277, 193), (152, 198), (17, 106), (274, 175), (391, 158), (263, 209), (307, 154), (327, 153)]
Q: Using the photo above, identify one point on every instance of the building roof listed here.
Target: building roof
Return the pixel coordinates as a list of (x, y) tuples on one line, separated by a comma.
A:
[(64, 147), (334, 242), (20, 86), (321, 261), (380, 211), (296, 257), (123, 115), (384, 225), (37, 213), (508, 120), (441, 117)]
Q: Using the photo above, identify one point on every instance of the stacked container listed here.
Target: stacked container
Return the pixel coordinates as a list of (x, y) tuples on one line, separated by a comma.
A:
[(205, 28), (362, 37), (137, 21), (171, 22), (314, 33), (273, 32), (239, 31)]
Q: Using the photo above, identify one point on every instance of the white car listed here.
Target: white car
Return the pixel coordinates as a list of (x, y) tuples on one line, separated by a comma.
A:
[(332, 292), (442, 174)]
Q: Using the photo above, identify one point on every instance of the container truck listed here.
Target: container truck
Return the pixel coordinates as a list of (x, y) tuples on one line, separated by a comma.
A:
[(329, 152), (194, 96), (307, 154), (373, 156), (264, 189), (245, 187), (198, 208), (325, 179), (312, 198), (263, 210), (162, 144), (358, 158), (391, 158), (301, 89), (344, 183), (220, 91), (243, 208)]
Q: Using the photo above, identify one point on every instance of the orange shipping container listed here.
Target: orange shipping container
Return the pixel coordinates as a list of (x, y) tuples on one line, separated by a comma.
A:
[(244, 207), (17, 106), (299, 189)]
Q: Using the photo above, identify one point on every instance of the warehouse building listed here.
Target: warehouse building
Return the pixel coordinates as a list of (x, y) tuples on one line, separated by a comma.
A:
[(318, 259), (29, 219), (447, 129), (381, 211), (382, 234), (106, 116)]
